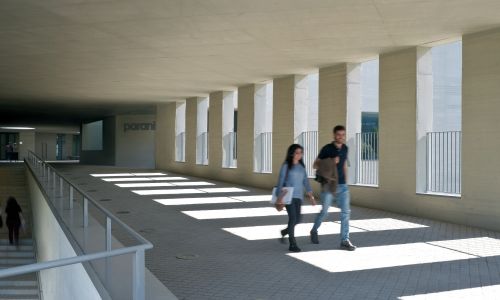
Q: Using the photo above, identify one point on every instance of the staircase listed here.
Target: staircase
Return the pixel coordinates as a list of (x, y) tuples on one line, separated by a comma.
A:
[(13, 183)]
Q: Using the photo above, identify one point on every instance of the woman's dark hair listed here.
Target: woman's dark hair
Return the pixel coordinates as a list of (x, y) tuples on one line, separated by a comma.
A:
[(11, 202), (290, 153)]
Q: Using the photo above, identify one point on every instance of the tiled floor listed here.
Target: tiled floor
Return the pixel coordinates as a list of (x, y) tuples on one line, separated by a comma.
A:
[(229, 236)]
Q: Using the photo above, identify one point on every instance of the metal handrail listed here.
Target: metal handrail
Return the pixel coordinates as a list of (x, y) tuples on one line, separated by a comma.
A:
[(98, 206), (139, 259)]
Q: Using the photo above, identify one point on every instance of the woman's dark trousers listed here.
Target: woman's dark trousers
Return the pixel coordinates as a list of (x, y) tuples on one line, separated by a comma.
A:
[(294, 217)]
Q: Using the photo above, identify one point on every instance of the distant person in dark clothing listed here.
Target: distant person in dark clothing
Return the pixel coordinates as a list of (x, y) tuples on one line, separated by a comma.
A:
[(13, 220), (9, 149)]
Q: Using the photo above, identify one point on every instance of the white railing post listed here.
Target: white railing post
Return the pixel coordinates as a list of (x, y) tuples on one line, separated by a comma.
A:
[(139, 290), (60, 186), (85, 212), (108, 234), (71, 198)]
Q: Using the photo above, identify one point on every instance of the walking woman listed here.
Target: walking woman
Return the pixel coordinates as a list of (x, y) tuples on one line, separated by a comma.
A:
[(13, 220), (293, 174)]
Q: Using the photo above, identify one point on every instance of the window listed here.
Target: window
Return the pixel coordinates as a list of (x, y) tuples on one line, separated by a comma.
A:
[(366, 157), (180, 131), (306, 117), (92, 136), (229, 135), (263, 127), (202, 132)]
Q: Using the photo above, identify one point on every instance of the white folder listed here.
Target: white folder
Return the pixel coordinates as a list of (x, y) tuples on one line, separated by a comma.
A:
[(288, 197)]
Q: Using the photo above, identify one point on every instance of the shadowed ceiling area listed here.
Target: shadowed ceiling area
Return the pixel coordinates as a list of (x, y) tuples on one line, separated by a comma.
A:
[(91, 57)]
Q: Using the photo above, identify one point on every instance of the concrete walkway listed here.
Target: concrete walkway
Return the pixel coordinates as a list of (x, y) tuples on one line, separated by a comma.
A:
[(219, 241)]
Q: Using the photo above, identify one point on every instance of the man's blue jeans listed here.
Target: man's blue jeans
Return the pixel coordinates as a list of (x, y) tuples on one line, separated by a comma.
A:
[(342, 199)]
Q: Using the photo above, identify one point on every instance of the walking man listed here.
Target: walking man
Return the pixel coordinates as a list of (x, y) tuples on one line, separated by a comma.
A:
[(337, 150)]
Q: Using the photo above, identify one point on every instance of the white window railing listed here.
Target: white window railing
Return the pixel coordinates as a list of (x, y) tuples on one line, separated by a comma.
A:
[(229, 144), (309, 140), (264, 153), (202, 149), (444, 162), (367, 162), (180, 147)]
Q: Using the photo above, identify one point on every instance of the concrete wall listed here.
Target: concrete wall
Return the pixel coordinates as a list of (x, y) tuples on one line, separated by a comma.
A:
[(106, 156), (135, 141), (70, 282)]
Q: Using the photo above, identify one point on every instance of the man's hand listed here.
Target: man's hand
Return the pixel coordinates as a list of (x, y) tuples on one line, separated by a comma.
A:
[(337, 159), (311, 198)]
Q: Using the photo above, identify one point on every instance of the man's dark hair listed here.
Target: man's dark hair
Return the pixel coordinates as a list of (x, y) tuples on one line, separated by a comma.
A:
[(338, 128)]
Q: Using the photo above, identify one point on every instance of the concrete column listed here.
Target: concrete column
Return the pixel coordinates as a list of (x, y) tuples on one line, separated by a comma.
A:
[(165, 135), (215, 131), (191, 130), (245, 140), (283, 119), (332, 105), (480, 130), (397, 147), (425, 109)]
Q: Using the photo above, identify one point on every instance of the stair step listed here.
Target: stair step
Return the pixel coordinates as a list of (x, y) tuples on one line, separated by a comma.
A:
[(18, 283), (11, 248), (21, 242), (23, 277), (19, 297), (16, 261), (16, 254), (19, 291)]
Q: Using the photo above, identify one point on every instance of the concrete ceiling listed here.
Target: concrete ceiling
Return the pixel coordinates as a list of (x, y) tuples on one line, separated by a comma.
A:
[(75, 54)]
